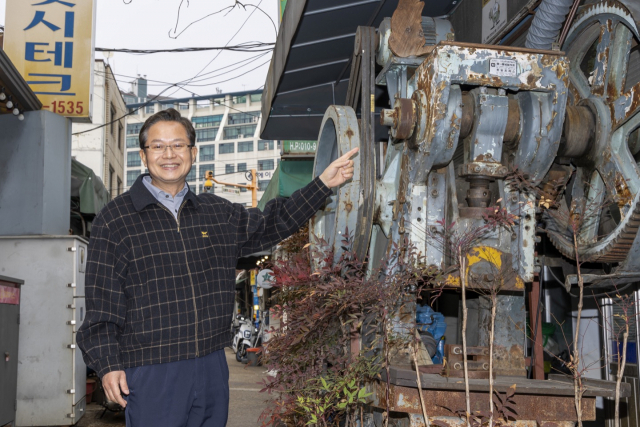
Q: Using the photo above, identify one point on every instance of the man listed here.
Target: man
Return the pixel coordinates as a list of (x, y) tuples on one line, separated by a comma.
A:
[(160, 280)]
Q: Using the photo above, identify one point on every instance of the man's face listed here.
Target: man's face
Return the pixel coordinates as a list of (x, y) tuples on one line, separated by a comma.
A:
[(168, 168)]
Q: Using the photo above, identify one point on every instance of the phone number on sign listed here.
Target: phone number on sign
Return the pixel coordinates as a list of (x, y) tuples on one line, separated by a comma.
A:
[(67, 107)]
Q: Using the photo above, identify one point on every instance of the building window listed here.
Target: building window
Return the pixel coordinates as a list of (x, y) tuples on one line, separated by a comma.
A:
[(131, 177), (111, 173), (132, 142), (265, 165), (133, 159), (192, 174), (166, 106), (242, 167), (203, 135), (150, 108), (279, 144), (239, 132), (226, 148), (207, 121), (242, 118), (134, 128), (120, 136), (265, 145), (112, 110), (256, 97), (245, 146), (207, 153), (183, 106), (119, 187), (240, 99), (262, 184), (229, 168)]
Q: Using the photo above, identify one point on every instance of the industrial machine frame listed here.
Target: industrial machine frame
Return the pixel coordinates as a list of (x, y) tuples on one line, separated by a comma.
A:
[(541, 136)]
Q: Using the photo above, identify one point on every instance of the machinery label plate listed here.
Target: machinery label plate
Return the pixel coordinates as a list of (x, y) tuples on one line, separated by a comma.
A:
[(503, 67)]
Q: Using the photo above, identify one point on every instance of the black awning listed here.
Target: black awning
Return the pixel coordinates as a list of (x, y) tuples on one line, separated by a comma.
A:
[(310, 66)]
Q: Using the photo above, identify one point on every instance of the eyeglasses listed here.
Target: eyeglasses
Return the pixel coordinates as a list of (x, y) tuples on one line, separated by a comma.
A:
[(178, 147)]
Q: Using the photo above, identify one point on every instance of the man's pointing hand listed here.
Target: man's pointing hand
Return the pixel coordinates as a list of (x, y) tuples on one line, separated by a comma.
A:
[(338, 172)]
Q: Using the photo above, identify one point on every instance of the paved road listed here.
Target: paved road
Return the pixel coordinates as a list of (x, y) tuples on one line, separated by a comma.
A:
[(246, 403)]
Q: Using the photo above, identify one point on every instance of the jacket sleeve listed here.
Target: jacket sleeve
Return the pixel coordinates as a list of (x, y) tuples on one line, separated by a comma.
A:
[(280, 219), (105, 301)]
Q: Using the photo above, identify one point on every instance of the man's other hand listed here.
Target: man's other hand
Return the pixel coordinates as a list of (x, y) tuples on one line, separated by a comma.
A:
[(338, 172), (115, 384)]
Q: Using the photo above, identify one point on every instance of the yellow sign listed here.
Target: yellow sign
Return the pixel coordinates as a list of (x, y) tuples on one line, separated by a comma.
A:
[(51, 43)]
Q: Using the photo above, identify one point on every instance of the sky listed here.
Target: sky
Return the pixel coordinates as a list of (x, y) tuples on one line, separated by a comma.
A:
[(155, 24)]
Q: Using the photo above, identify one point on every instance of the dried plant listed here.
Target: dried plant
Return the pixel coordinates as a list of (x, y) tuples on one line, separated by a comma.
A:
[(319, 378)]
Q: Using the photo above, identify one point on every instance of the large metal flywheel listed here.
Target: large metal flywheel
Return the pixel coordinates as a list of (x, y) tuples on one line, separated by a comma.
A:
[(350, 207), (605, 94)]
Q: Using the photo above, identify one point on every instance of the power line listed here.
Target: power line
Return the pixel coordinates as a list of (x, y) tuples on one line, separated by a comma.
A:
[(207, 73), (215, 13), (217, 54), (155, 97), (256, 47), (162, 83)]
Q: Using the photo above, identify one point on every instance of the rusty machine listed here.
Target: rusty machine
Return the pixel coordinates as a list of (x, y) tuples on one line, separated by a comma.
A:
[(464, 119)]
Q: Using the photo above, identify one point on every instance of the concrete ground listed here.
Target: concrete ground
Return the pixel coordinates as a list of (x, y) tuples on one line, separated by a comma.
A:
[(245, 406)]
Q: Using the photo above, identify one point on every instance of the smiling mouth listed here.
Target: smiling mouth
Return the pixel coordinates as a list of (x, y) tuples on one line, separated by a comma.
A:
[(171, 166)]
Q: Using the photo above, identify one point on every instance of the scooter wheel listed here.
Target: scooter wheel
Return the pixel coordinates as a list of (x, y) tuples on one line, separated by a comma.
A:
[(241, 354)]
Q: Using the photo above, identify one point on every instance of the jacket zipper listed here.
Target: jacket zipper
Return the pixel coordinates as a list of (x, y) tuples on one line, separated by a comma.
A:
[(193, 289)]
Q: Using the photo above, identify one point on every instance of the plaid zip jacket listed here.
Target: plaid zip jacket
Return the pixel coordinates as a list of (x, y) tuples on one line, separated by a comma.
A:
[(160, 289)]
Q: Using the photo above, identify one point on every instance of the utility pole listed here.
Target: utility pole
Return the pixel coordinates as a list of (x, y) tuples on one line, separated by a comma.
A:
[(209, 180)]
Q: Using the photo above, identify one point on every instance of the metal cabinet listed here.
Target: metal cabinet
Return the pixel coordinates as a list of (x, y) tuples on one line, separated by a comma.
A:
[(51, 373), (9, 319)]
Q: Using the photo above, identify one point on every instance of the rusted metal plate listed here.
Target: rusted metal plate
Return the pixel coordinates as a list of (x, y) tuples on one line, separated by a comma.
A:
[(477, 362), (416, 420), (442, 403), (557, 386)]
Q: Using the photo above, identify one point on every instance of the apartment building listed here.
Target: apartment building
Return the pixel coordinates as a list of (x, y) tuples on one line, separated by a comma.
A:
[(99, 145), (227, 127)]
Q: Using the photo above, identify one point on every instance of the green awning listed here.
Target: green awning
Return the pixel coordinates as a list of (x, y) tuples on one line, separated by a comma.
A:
[(87, 189), (290, 175)]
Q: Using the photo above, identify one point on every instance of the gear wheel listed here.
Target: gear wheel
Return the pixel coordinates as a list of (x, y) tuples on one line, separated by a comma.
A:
[(605, 190)]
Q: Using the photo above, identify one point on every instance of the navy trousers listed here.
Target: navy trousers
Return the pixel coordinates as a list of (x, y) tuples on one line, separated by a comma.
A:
[(187, 393)]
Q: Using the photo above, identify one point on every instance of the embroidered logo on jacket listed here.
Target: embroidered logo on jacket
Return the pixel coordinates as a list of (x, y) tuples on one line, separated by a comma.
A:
[(205, 233)]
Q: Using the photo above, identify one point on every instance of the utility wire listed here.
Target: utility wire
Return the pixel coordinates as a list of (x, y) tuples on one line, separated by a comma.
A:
[(215, 13), (256, 47), (218, 54), (180, 86), (161, 83)]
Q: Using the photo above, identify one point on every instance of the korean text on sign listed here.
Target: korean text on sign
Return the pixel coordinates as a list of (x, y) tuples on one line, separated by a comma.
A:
[(51, 44)]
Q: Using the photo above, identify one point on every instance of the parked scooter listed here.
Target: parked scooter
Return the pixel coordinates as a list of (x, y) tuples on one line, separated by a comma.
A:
[(246, 337)]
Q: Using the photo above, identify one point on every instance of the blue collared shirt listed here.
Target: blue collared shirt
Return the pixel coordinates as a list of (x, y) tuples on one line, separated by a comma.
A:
[(168, 201)]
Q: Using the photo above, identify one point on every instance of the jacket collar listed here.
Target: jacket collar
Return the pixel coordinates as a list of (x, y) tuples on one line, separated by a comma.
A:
[(142, 197)]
